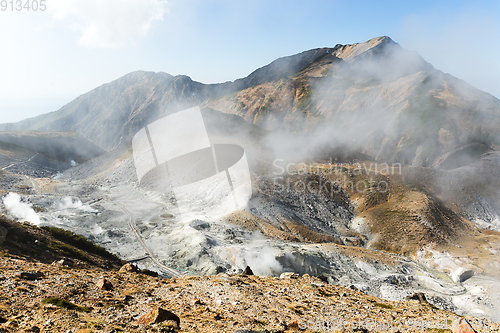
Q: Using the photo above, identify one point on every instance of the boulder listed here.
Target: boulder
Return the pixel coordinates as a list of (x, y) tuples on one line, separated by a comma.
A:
[(247, 271), (28, 276), (105, 284), (158, 315), (289, 275), (417, 297), (129, 268), (149, 272), (462, 326), (323, 278), (64, 262)]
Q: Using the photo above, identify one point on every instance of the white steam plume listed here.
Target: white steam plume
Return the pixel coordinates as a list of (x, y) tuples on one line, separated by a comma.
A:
[(70, 203), (20, 210)]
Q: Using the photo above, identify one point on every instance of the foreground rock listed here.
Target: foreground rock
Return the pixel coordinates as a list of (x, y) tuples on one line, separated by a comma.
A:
[(247, 271), (129, 268), (462, 326), (289, 275), (104, 284), (157, 316)]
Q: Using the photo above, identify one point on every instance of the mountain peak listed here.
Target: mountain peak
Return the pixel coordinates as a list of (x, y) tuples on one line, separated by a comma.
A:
[(349, 51)]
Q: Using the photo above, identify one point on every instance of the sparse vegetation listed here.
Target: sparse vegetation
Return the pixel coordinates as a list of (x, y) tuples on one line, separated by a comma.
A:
[(384, 306), (79, 242), (62, 303)]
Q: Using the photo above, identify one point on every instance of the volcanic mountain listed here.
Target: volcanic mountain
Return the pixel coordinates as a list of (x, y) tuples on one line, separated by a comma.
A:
[(359, 116), (375, 97)]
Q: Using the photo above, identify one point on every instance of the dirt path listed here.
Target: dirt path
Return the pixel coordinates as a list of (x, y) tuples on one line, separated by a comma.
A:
[(21, 162), (150, 254)]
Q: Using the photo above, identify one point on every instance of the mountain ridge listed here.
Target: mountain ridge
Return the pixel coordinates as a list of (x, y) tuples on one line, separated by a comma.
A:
[(349, 84)]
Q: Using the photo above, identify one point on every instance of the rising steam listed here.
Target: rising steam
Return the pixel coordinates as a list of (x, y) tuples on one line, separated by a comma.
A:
[(70, 203), (20, 210)]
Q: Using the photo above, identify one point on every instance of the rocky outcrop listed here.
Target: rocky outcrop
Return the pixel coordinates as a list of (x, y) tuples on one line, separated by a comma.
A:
[(129, 268), (462, 326), (157, 316)]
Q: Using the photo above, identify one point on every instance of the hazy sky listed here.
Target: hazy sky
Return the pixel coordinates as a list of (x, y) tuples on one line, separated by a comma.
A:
[(48, 58)]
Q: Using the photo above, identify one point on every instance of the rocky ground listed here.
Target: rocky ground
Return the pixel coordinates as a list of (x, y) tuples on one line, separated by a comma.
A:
[(56, 281), (39, 297)]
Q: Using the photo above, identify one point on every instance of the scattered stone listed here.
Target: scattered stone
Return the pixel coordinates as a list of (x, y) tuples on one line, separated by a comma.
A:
[(129, 268), (11, 324), (28, 276), (293, 325), (34, 329), (158, 315), (197, 302), (199, 225), (64, 262), (323, 278), (462, 326), (353, 241), (105, 284), (247, 271), (289, 275), (247, 331)]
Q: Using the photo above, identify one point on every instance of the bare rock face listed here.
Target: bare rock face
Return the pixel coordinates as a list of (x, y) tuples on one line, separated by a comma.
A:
[(462, 326), (104, 284), (158, 315)]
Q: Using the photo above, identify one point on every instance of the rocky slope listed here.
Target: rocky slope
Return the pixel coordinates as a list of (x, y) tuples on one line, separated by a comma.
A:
[(75, 295), (64, 146)]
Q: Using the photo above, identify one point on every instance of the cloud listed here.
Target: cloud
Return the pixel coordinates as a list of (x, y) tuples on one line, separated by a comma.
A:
[(20, 210), (110, 23)]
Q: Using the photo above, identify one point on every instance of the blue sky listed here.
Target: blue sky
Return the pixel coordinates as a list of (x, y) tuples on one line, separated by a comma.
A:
[(49, 58)]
